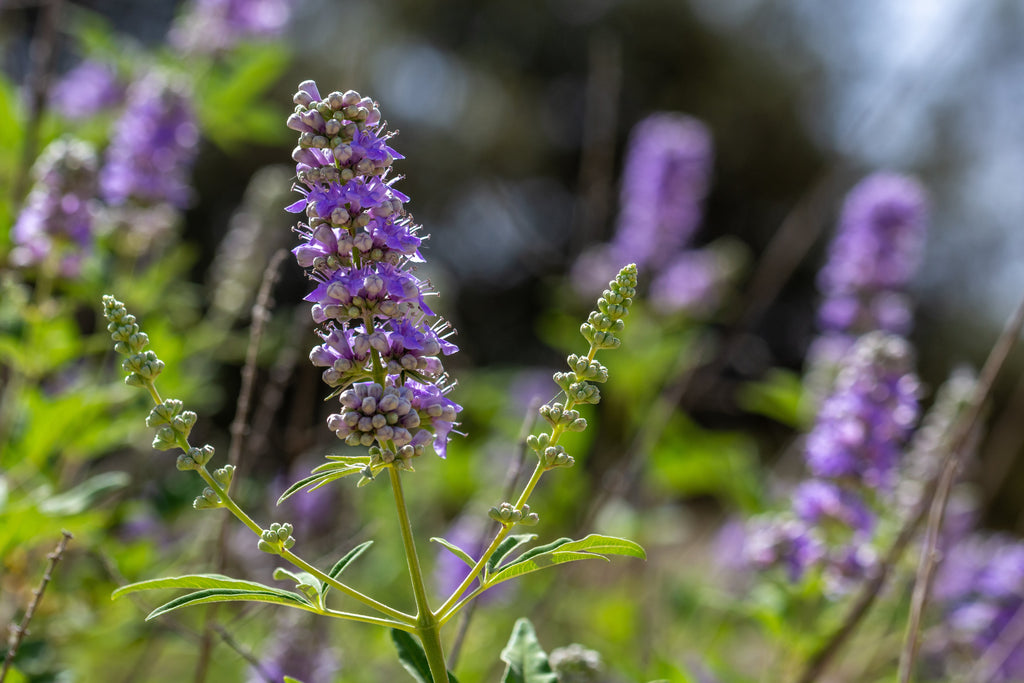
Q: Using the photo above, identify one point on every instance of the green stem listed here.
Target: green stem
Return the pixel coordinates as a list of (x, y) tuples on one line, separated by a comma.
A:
[(367, 619), (294, 559), (428, 628), (449, 608)]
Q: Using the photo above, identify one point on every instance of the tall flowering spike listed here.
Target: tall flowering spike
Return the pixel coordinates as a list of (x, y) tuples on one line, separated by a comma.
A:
[(56, 224), (153, 147), (382, 345), (664, 182), (874, 256), (211, 26)]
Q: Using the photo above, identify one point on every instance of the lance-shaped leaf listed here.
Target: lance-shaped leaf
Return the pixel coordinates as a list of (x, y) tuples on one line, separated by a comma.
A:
[(455, 550), (328, 472), (594, 546), (340, 565), (195, 581), (527, 661), (413, 658), (233, 595), (307, 583), (507, 546)]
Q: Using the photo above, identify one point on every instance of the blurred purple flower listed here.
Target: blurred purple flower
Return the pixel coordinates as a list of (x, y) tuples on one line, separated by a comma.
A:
[(211, 26), (980, 586), (87, 89), (691, 282), (863, 426), (56, 224), (664, 180), (154, 144), (874, 255), (781, 541)]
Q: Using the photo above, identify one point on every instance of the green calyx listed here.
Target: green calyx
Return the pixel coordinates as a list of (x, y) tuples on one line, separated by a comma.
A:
[(551, 456), (195, 458), (509, 516), (207, 500), (558, 416), (276, 539), (174, 424)]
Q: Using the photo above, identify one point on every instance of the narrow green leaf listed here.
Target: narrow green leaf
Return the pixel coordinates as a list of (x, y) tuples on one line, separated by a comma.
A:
[(540, 550), (507, 546), (340, 565), (230, 595), (81, 497), (196, 581), (527, 661), (456, 550), (413, 658), (610, 545), (594, 546), (289, 679), (315, 481)]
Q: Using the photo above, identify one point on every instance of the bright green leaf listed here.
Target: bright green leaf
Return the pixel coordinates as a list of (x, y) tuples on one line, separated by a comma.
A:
[(197, 581), (456, 550), (507, 546), (229, 595), (413, 658), (340, 565), (527, 661), (564, 550)]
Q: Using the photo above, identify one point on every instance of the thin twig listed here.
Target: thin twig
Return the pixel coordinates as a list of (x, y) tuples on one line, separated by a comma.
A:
[(951, 467), (509, 489), (43, 57), (18, 631), (960, 433), (239, 427)]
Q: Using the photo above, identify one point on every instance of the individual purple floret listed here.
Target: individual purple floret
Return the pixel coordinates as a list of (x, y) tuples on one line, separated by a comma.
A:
[(862, 427), (382, 344), (211, 26), (86, 90), (55, 227), (980, 586), (153, 147), (874, 255), (665, 178)]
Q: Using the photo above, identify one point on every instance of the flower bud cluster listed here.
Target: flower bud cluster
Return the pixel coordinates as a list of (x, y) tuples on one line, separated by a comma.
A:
[(381, 342), (142, 366), (551, 455), (276, 539), (604, 323), (56, 225), (508, 515)]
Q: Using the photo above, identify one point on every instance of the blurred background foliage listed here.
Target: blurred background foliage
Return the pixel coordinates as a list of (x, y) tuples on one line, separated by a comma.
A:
[(513, 119)]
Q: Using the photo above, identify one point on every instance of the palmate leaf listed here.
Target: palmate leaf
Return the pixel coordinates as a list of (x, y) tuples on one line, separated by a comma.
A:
[(413, 658), (527, 661), (594, 546)]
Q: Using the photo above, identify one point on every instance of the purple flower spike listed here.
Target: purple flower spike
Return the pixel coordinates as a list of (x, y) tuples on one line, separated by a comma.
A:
[(153, 147), (89, 88), (382, 342), (664, 182), (212, 26), (874, 256), (55, 227)]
